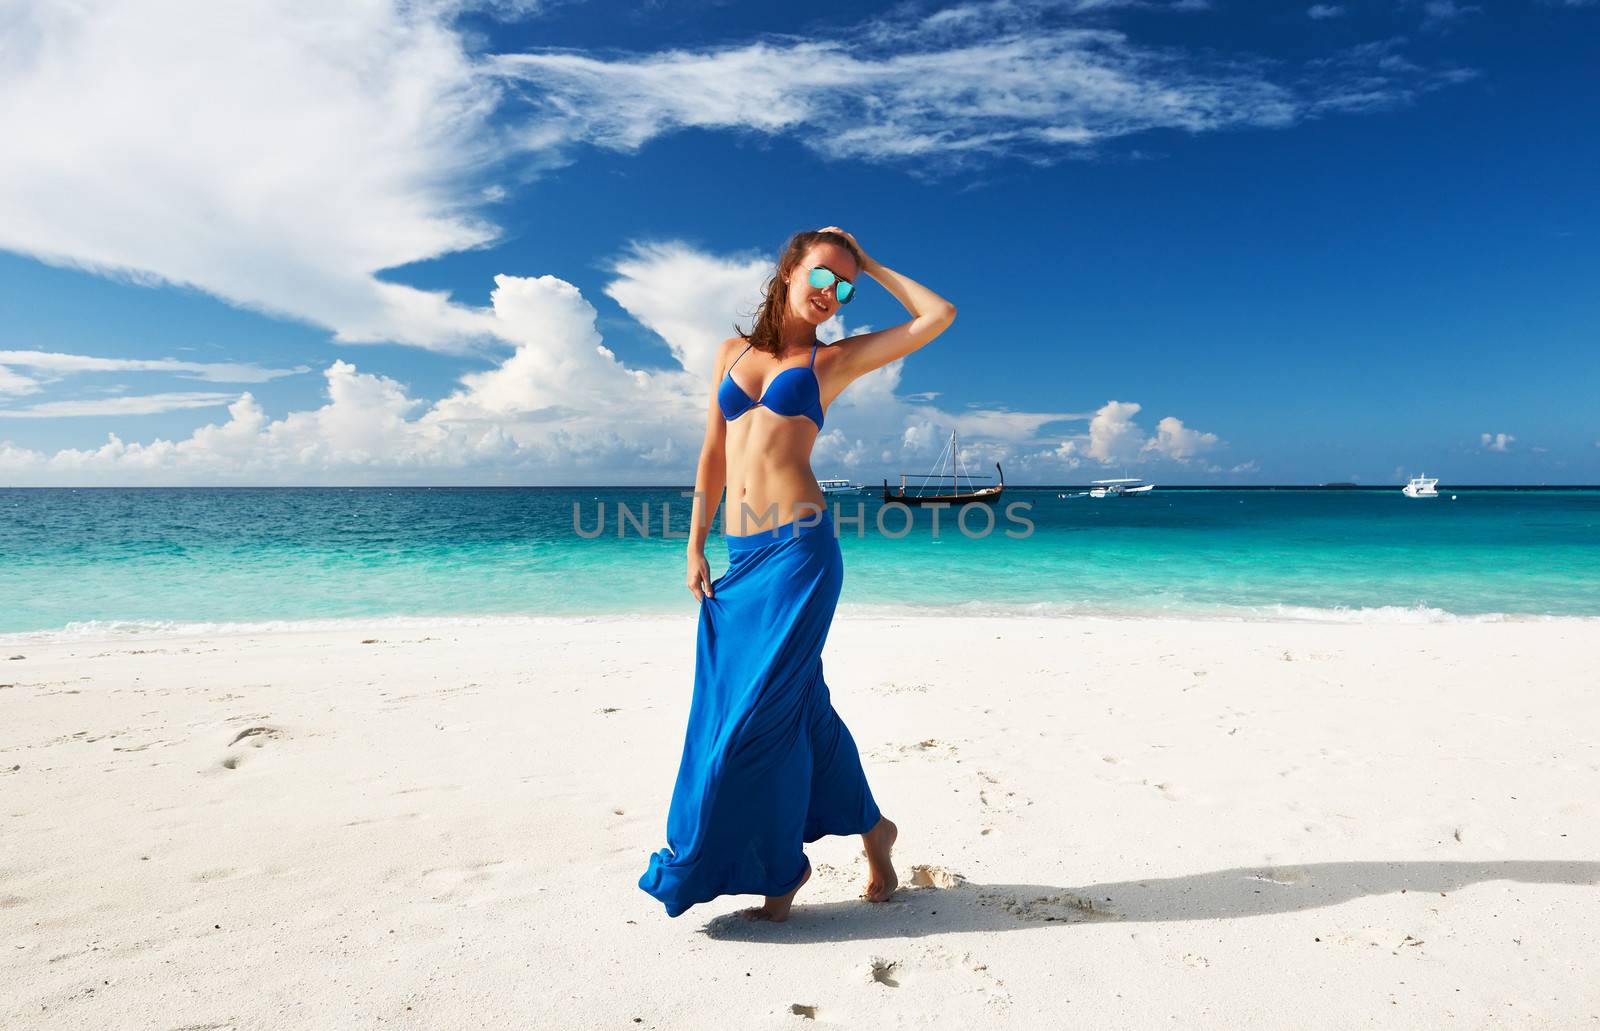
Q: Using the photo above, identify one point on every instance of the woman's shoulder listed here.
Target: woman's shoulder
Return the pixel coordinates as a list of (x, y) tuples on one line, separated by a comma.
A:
[(727, 353), (731, 348)]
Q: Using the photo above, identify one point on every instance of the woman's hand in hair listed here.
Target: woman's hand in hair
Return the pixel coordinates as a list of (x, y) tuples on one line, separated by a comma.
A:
[(865, 261)]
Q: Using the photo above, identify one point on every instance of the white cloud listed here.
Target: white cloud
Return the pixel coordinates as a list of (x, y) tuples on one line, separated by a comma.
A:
[(275, 153), (1500, 442), (17, 384), (691, 299), (1035, 90), (280, 154), (60, 364), (1319, 12), (1114, 438), (969, 83), (145, 404), (834, 330), (561, 409), (1176, 441)]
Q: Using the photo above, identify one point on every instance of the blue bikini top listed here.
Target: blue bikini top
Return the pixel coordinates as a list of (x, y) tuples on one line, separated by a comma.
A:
[(793, 391)]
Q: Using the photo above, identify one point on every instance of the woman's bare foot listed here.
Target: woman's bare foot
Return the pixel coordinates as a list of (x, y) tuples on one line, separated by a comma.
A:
[(879, 842), (776, 908)]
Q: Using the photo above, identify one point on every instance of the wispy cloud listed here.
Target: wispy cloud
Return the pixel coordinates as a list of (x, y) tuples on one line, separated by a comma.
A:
[(1437, 13), (1320, 12), (330, 143), (1378, 75), (52, 365), (964, 85), (145, 404), (16, 383), (1036, 93)]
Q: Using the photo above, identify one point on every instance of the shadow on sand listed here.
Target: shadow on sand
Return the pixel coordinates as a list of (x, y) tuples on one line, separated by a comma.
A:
[(946, 903)]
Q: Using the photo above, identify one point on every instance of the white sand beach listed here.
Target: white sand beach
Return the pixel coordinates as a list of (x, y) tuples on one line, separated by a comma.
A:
[(1109, 824)]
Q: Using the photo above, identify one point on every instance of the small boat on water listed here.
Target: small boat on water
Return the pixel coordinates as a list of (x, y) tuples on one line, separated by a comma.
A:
[(1114, 488), (1421, 487), (1117, 488), (839, 486), (955, 496)]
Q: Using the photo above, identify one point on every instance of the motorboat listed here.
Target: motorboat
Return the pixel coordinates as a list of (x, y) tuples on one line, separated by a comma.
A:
[(839, 486), (1421, 487), (1120, 487)]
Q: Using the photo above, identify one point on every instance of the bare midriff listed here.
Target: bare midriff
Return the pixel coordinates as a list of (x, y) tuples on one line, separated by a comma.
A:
[(770, 482)]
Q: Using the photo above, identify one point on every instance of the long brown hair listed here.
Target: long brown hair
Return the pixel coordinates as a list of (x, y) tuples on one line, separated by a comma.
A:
[(764, 333)]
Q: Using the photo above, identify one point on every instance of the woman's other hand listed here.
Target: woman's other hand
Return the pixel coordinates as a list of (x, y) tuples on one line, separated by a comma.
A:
[(699, 577)]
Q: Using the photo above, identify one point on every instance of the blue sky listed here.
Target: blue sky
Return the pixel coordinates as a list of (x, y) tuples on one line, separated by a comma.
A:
[(454, 243)]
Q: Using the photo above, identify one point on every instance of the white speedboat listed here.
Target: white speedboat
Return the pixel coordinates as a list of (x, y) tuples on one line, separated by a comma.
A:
[(839, 486), (1421, 487), (1117, 488)]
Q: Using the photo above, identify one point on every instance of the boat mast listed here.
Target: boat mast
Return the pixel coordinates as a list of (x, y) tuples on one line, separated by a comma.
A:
[(955, 488)]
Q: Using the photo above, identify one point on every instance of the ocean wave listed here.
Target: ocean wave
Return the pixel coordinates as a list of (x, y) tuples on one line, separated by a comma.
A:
[(94, 629), (1274, 613), (125, 629)]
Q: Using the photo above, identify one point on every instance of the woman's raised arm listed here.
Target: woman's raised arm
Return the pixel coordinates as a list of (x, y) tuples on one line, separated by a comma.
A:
[(930, 316)]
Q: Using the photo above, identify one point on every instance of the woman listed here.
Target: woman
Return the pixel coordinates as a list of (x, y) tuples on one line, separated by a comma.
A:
[(767, 764)]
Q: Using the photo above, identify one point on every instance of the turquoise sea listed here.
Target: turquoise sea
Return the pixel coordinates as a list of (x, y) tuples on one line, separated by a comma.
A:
[(93, 561)]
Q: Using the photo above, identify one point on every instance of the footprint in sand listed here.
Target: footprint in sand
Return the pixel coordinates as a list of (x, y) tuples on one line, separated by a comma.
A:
[(996, 799), (930, 747), (221, 873), (924, 875), (966, 984), (1060, 907), (829, 872), (466, 885), (251, 737), (1478, 835), (1284, 875), (1169, 791), (901, 687)]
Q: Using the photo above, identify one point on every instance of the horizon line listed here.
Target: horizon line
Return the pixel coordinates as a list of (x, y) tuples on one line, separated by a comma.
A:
[(1345, 486)]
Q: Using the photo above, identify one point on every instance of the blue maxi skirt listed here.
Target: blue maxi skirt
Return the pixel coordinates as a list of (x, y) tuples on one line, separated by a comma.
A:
[(767, 764)]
